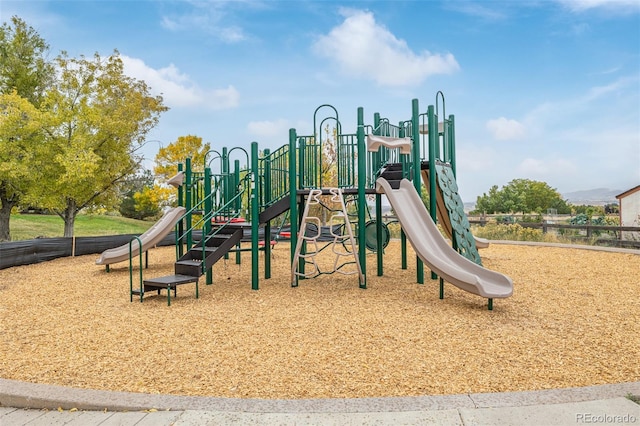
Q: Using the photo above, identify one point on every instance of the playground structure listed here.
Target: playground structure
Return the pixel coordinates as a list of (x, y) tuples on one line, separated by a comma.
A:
[(223, 204)]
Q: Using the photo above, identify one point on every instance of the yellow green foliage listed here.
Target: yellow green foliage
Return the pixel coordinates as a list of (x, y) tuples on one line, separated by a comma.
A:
[(150, 199), (168, 158)]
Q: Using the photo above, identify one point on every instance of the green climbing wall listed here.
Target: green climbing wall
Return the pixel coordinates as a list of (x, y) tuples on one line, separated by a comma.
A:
[(461, 229)]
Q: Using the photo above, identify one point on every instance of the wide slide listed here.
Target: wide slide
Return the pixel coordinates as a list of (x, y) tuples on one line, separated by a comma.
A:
[(434, 250), (149, 239)]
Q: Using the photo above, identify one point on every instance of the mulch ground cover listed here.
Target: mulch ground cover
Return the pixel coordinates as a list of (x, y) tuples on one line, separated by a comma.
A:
[(572, 321)]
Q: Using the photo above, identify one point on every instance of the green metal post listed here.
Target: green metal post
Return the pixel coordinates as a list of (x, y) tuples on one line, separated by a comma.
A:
[(377, 164), (208, 209), (403, 236), (415, 151), (433, 143), (255, 226), (181, 203), (225, 180), (362, 201), (131, 268), (236, 184), (187, 200), (267, 227), (293, 198), (452, 143)]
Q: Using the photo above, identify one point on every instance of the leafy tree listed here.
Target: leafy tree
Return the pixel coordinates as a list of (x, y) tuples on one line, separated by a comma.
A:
[(151, 199), (133, 185), (612, 208), (489, 203), (97, 118), (25, 73), (168, 158), (23, 64), (19, 133), (521, 195), (589, 210)]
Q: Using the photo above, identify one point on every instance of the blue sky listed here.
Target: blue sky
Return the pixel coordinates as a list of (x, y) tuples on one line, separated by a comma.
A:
[(544, 90)]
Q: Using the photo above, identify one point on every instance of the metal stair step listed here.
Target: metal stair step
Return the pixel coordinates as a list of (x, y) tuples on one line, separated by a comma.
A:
[(169, 280), (189, 262)]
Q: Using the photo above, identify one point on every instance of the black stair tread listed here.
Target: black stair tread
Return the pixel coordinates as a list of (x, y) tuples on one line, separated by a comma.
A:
[(207, 249), (392, 175), (394, 166), (170, 279), (189, 262)]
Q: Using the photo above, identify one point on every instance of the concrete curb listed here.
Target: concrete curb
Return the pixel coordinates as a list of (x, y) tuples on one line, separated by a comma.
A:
[(32, 395)]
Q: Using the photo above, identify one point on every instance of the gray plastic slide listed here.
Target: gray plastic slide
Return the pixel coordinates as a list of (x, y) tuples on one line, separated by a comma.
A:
[(149, 239), (434, 250)]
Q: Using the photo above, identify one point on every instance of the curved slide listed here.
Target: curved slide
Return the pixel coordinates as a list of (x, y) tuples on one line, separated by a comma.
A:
[(433, 249), (149, 239)]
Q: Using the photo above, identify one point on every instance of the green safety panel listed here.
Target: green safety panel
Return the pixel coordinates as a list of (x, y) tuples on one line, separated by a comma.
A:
[(460, 226), (371, 236)]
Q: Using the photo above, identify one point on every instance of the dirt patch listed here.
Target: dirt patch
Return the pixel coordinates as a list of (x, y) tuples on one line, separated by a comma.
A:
[(572, 321)]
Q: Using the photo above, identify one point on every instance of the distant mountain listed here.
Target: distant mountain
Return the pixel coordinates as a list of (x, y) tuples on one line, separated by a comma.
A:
[(594, 197)]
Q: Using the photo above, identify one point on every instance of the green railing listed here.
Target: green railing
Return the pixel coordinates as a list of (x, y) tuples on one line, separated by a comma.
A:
[(131, 268), (223, 214), (274, 176)]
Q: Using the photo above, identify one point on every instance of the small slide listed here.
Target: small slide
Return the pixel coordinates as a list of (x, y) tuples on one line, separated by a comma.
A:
[(434, 250), (149, 239)]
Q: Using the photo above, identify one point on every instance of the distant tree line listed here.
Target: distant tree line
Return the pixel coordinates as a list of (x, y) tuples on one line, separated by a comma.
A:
[(522, 196), (529, 196)]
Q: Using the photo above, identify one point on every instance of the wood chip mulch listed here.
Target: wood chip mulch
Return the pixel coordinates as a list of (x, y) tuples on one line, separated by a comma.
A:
[(572, 321)]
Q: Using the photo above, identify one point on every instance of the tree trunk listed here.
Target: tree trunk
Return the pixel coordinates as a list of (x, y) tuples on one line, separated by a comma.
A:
[(6, 204), (69, 217), (5, 216)]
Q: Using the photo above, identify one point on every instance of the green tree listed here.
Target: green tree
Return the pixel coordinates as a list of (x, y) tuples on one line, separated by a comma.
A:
[(130, 186), (151, 199), (489, 203), (98, 117), (19, 133), (521, 195), (168, 158), (142, 198), (25, 73)]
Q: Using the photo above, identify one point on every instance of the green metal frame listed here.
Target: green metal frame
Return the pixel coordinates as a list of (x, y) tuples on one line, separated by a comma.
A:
[(131, 268), (290, 170)]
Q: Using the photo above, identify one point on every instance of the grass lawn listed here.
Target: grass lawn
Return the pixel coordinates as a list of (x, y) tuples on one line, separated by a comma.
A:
[(28, 226)]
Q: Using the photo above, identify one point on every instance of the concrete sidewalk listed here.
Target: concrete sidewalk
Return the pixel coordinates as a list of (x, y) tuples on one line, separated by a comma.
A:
[(34, 404)]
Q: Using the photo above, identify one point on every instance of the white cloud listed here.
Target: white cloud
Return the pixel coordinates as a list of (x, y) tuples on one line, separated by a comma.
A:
[(177, 89), (223, 98), (613, 5), (269, 129), (535, 168), (478, 10), (212, 18), (504, 129), (363, 48), (617, 86)]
